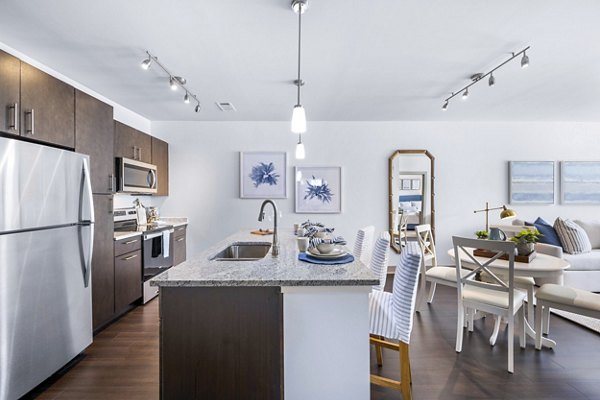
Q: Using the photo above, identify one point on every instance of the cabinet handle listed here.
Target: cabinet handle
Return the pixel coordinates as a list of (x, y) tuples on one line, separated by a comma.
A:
[(110, 183), (140, 152), (31, 115), (15, 117), (134, 152), (130, 241), (130, 257), (180, 239)]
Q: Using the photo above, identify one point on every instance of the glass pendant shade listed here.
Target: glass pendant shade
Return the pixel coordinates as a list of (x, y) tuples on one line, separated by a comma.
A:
[(300, 152), (299, 120)]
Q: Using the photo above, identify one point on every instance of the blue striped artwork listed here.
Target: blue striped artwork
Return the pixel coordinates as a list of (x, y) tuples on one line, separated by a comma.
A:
[(580, 182), (531, 182)]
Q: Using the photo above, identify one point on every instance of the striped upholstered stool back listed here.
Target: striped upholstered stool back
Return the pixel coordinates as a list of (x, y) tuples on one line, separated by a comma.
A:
[(364, 244), (379, 259), (404, 294)]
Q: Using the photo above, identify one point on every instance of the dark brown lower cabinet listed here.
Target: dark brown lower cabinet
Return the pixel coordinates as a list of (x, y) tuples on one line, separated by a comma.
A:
[(103, 270), (128, 279), (179, 245), (221, 343)]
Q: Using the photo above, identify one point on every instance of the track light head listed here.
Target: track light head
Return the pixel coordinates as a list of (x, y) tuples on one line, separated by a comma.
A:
[(524, 61), (300, 6), (186, 98), (465, 94), (445, 106), (172, 84), (492, 80), (146, 63), (197, 108)]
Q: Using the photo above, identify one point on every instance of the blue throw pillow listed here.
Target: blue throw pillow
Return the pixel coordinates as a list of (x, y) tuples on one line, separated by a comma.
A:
[(550, 235)]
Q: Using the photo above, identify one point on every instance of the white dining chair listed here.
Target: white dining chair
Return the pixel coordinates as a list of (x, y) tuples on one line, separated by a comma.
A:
[(430, 270), (391, 317), (379, 259), (500, 297), (363, 245)]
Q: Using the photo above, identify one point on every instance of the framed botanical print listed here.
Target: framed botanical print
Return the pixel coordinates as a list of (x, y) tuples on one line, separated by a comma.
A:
[(318, 190), (263, 175)]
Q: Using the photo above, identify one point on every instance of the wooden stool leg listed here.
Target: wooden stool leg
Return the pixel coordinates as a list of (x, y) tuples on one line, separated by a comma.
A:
[(405, 374), (379, 353)]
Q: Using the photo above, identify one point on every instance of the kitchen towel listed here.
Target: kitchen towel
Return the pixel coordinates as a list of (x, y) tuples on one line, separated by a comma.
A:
[(166, 236), (342, 260)]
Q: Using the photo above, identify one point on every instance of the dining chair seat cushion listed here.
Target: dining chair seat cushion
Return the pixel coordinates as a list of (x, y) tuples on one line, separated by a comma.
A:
[(569, 296), (381, 315), (445, 273), (491, 297), (522, 282)]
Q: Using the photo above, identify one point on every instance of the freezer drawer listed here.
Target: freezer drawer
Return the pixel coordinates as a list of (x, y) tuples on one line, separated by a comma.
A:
[(45, 305)]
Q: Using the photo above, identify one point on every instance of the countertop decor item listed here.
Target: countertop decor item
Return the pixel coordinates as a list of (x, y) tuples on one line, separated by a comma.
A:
[(318, 189), (262, 232), (506, 213), (482, 234), (348, 258), (263, 175)]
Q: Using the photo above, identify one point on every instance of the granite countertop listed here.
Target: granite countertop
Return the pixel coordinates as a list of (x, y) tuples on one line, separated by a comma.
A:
[(284, 270)]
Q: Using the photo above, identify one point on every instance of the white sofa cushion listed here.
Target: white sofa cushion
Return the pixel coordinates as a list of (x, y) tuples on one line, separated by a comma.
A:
[(572, 236), (584, 262), (592, 228)]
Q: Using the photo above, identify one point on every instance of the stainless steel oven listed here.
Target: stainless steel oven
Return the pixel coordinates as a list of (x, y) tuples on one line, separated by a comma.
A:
[(157, 253), (136, 176)]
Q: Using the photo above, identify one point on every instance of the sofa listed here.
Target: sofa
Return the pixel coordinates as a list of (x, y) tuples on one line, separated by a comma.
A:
[(584, 272)]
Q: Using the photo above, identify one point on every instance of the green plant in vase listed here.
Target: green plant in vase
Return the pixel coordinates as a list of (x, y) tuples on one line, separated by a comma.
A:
[(482, 234), (526, 240)]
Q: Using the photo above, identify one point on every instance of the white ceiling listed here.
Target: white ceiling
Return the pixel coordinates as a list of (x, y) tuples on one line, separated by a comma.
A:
[(378, 60)]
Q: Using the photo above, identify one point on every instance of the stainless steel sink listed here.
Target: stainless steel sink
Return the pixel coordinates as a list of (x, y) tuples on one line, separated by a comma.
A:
[(241, 251)]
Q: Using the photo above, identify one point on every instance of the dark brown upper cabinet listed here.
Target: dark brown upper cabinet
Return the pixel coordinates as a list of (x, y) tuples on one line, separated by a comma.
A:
[(47, 108), (160, 158), (10, 78), (94, 135), (131, 143)]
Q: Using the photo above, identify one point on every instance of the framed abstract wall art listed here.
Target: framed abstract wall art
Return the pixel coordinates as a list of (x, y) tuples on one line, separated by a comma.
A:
[(318, 190), (580, 182), (531, 182), (263, 175)]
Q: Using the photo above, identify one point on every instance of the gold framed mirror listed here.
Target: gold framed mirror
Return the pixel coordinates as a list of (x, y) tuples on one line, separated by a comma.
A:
[(411, 195)]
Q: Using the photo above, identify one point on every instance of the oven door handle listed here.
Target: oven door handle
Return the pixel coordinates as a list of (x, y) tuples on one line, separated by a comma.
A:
[(148, 236)]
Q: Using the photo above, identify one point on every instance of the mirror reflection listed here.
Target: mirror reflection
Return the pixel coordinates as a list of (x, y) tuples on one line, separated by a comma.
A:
[(411, 195)]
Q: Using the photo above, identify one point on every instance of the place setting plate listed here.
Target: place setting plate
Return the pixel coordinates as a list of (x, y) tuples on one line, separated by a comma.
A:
[(337, 252)]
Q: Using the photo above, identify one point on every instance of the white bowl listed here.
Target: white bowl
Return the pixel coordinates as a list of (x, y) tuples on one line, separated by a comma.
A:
[(325, 248)]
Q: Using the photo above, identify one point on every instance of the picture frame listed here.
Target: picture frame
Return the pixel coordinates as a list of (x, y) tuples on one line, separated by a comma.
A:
[(415, 184), (263, 175), (405, 184), (318, 190), (580, 182), (531, 182)]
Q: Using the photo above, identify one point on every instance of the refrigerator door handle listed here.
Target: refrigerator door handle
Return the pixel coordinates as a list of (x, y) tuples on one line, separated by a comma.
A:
[(86, 188)]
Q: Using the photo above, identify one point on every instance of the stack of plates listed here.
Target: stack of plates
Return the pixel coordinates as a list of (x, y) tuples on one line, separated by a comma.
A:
[(337, 252)]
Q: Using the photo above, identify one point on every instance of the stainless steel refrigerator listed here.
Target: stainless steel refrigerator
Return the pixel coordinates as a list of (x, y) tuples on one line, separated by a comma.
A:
[(46, 240)]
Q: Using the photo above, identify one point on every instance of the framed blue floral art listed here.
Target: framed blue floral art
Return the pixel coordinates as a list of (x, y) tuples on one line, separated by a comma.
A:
[(263, 175), (318, 190)]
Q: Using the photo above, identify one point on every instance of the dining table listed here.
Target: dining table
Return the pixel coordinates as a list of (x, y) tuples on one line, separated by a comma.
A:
[(542, 266)]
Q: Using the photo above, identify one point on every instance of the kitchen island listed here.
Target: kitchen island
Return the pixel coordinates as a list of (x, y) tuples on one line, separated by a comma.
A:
[(272, 328)]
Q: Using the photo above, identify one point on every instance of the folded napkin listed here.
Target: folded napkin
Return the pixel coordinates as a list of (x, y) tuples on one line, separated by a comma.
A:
[(308, 224), (315, 241)]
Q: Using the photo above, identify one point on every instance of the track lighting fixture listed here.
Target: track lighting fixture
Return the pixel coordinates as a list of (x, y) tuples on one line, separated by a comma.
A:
[(175, 82), (491, 80), (299, 114), (300, 151), (524, 61)]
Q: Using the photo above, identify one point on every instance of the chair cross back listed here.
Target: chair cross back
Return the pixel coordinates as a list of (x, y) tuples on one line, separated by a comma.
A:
[(427, 244)]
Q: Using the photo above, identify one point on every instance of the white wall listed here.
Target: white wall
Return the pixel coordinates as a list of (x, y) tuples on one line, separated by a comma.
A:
[(471, 168)]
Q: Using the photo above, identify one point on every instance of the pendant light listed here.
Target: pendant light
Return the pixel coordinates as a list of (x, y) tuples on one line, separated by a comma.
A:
[(299, 115)]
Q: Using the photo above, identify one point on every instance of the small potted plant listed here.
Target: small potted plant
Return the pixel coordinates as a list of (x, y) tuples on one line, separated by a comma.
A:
[(482, 234), (526, 240)]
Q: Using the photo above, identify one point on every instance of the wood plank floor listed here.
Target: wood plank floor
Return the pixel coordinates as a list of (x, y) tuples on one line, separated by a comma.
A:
[(123, 362)]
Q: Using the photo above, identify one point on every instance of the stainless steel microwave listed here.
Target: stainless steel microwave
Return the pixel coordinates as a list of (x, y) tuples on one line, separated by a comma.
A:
[(136, 176)]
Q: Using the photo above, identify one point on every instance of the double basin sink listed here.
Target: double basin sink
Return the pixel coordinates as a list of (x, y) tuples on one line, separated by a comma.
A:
[(243, 251)]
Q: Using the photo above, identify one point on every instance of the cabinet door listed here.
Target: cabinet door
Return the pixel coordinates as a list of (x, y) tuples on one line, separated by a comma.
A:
[(103, 270), (47, 108), (128, 279), (179, 249), (94, 135), (131, 143), (10, 77), (160, 158)]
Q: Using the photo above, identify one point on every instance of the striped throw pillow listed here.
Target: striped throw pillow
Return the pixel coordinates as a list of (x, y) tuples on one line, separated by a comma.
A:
[(573, 238)]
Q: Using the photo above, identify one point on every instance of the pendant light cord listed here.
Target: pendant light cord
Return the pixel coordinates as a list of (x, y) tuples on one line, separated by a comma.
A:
[(299, 47)]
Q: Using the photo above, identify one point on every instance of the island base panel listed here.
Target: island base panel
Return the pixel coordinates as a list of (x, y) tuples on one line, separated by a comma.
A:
[(221, 343)]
